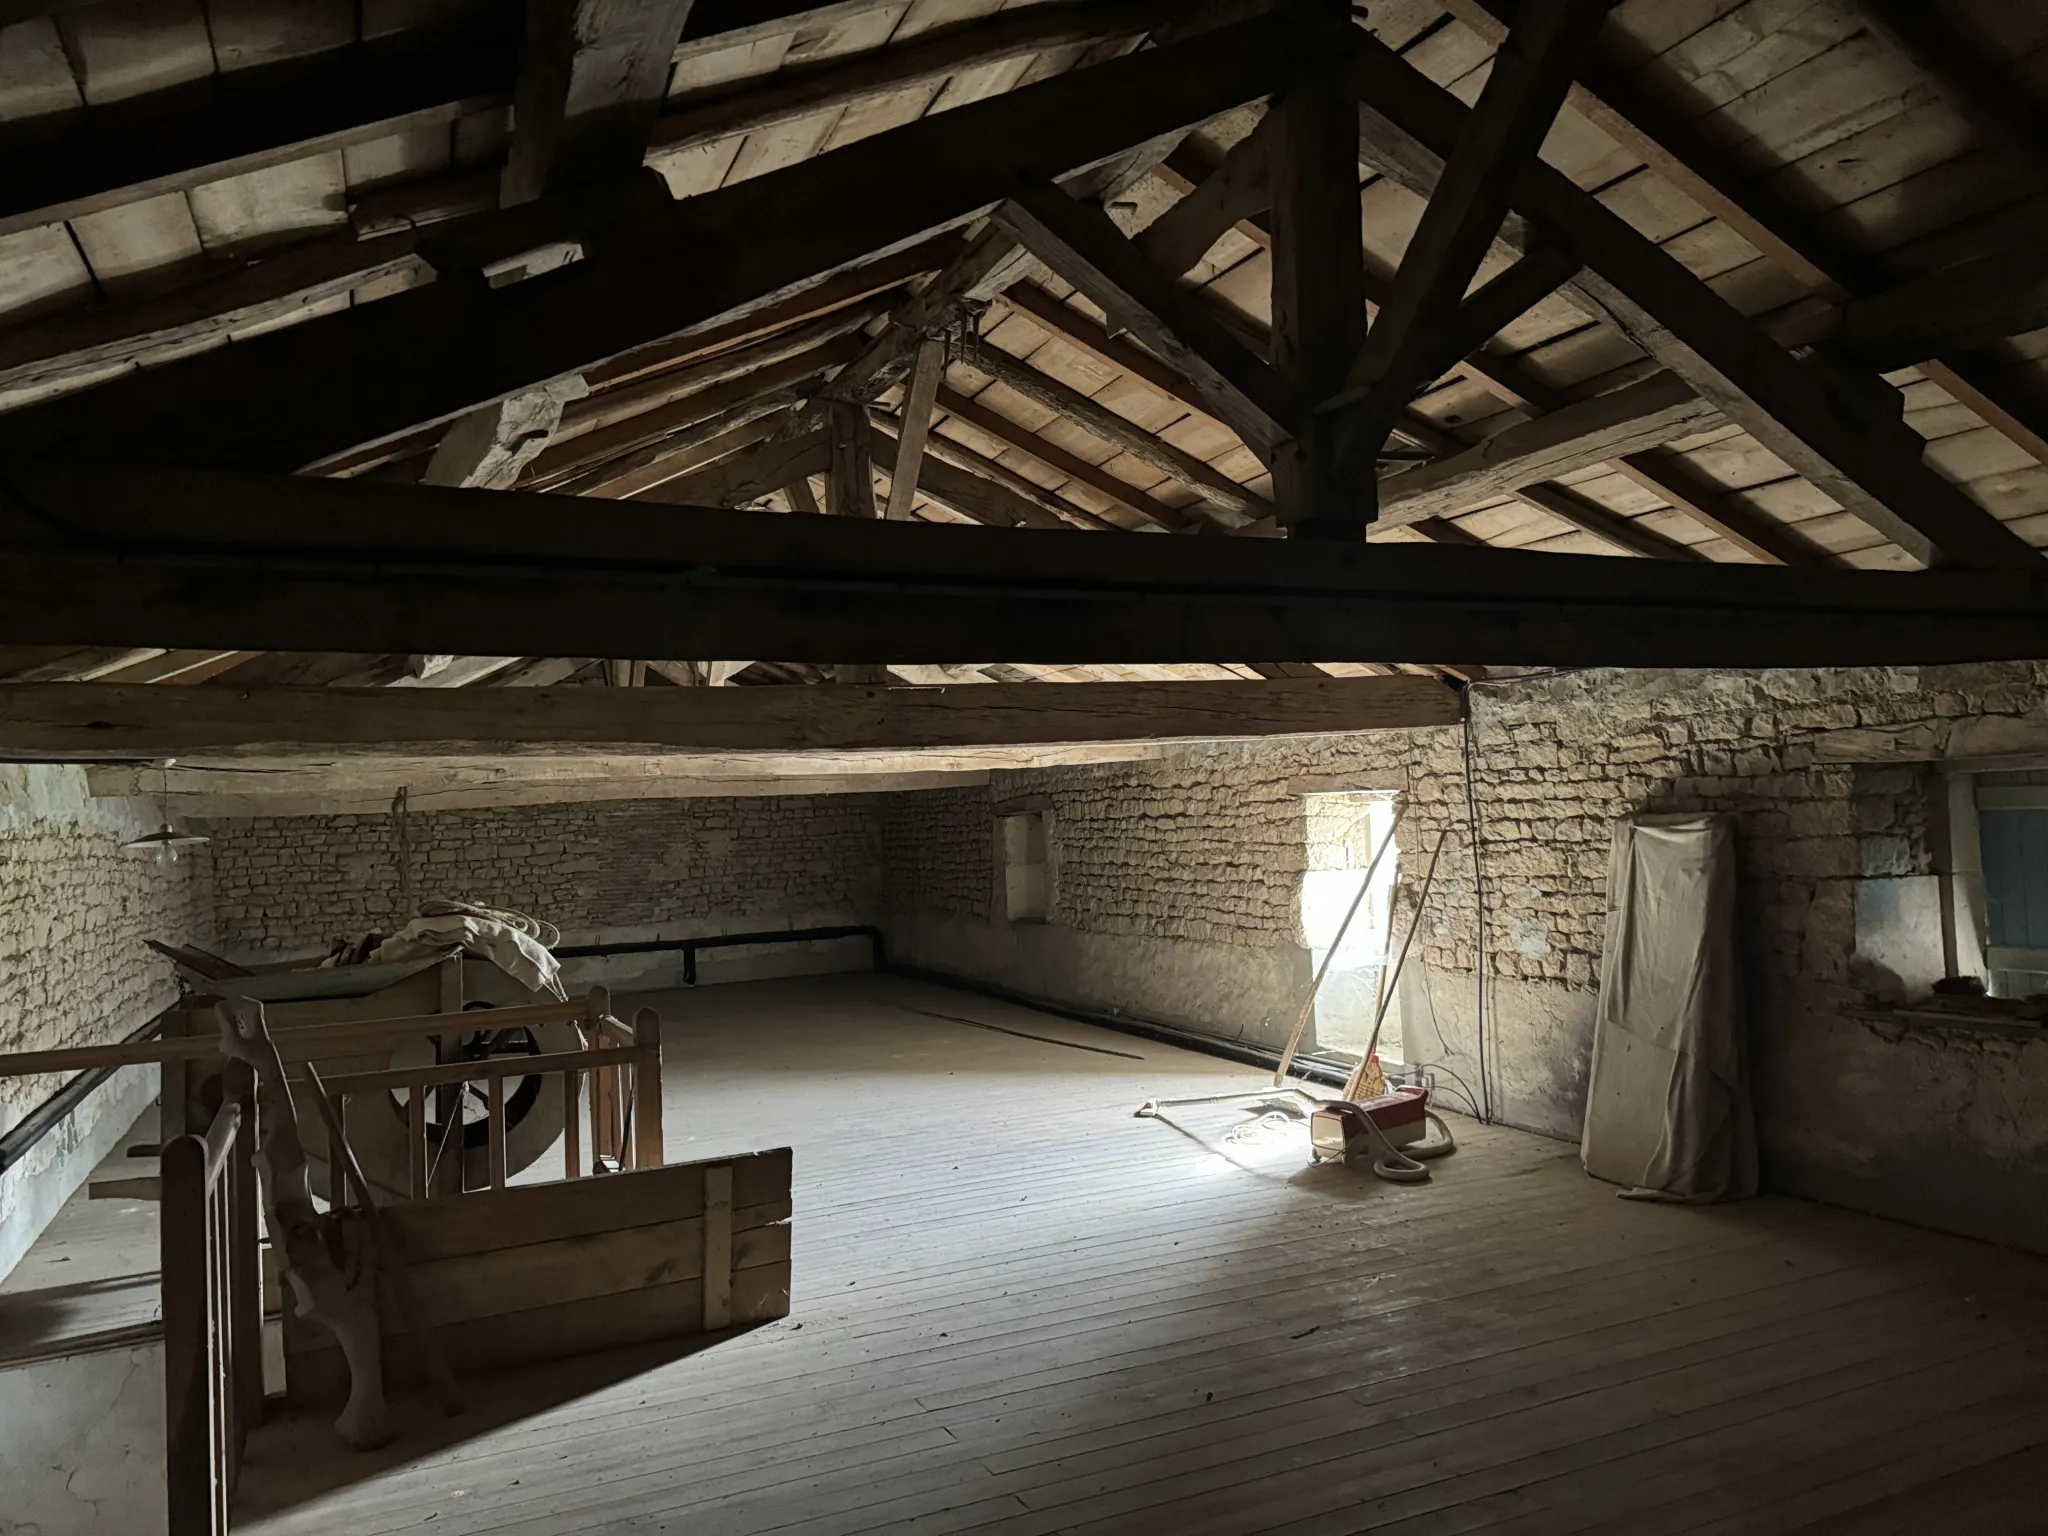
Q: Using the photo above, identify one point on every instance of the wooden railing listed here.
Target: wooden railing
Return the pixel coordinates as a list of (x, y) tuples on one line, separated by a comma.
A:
[(622, 1063), (213, 1312)]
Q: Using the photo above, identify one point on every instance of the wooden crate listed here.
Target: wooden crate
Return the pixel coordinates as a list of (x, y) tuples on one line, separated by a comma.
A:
[(548, 1271)]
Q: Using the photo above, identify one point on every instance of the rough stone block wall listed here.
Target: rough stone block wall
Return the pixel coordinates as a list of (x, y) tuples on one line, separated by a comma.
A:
[(1210, 842), (289, 885), (74, 911), (938, 848), (1167, 866)]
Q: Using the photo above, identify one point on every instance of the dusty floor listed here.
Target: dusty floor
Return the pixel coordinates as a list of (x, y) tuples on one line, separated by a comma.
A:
[(1020, 1310)]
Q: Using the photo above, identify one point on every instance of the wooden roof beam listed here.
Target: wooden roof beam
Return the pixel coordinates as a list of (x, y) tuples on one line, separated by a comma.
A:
[(1319, 281), (643, 442), (1624, 103), (1100, 421), (98, 722), (1642, 416), (592, 75), (1426, 321), (985, 419), (373, 568), (1818, 422), (237, 121), (1080, 242), (746, 476), (800, 90), (305, 393), (310, 392), (963, 481), (1567, 506)]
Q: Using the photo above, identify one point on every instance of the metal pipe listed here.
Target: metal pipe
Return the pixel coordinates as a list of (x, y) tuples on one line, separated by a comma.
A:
[(61, 1105), (690, 946)]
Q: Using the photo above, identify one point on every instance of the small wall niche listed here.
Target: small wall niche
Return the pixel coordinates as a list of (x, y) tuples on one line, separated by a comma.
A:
[(1027, 868)]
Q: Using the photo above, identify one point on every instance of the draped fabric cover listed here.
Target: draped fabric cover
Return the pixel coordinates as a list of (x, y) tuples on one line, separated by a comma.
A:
[(1668, 1114)]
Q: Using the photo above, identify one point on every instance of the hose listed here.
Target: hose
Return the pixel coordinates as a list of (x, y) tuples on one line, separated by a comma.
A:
[(1398, 1165)]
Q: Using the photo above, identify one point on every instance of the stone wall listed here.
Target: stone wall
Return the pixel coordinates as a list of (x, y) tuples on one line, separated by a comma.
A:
[(74, 911), (603, 872), (1176, 898)]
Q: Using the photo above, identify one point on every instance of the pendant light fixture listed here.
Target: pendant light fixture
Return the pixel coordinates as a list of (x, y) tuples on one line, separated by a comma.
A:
[(166, 841)]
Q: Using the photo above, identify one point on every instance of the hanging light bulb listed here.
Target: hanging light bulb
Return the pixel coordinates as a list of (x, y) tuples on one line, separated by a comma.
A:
[(166, 840)]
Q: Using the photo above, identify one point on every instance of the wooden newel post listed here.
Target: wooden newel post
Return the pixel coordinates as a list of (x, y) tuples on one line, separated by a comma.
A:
[(646, 1089), (244, 1260), (189, 1460)]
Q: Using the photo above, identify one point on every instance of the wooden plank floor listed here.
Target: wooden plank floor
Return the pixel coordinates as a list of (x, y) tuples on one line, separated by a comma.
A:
[(1021, 1311)]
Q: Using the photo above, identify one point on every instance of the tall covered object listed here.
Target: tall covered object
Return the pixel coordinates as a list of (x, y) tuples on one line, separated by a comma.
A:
[(1668, 1115)]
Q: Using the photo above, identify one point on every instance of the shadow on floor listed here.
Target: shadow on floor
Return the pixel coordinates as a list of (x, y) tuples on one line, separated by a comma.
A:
[(297, 1458)]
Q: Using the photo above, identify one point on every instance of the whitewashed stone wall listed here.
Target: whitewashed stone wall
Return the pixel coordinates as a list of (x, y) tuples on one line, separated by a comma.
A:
[(74, 911), (1176, 897)]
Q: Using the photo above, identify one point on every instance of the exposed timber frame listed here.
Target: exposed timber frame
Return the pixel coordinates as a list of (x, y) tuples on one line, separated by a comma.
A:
[(87, 722), (451, 346), (1822, 421), (296, 564)]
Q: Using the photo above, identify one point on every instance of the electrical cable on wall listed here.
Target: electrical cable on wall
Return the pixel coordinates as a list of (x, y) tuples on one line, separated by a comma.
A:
[(402, 853), (1479, 940)]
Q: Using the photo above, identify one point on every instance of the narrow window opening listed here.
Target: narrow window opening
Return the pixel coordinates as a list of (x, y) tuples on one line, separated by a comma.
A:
[(1343, 832), (2012, 822)]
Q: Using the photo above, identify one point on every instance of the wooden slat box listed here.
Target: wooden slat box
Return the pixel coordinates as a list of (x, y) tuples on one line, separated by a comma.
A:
[(547, 1271)]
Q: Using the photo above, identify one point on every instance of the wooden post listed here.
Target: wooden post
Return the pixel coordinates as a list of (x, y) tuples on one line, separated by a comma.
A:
[(647, 1151), (1318, 263), (572, 1123), (416, 1142), (717, 1248), (188, 1417), (450, 977), (496, 1122), (850, 489), (337, 1143), (201, 1379), (244, 1263)]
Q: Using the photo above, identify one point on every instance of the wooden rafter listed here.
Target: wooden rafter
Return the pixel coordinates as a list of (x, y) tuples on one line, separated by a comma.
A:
[(1079, 242), (1819, 423), (636, 442), (980, 489), (748, 475), (1626, 104), (249, 119), (985, 419), (1425, 323), (1623, 533), (1219, 200), (1100, 421), (437, 351), (798, 91)]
